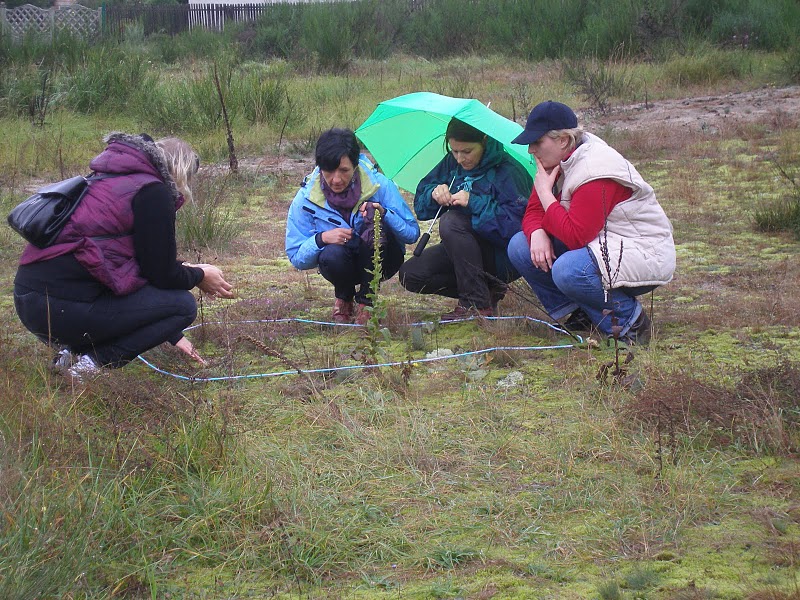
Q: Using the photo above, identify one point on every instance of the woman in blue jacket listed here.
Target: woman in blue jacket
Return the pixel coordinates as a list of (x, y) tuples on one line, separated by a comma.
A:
[(484, 193), (331, 223)]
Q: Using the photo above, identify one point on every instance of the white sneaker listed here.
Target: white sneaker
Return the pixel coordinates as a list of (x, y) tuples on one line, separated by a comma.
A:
[(84, 368), (63, 360)]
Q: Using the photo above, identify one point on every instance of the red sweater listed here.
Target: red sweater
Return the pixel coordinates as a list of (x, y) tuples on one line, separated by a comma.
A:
[(591, 203)]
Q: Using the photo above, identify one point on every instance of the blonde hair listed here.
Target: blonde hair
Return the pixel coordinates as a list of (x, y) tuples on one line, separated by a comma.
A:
[(574, 134), (182, 163)]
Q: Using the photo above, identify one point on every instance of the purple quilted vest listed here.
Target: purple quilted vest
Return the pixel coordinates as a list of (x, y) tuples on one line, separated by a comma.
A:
[(100, 231)]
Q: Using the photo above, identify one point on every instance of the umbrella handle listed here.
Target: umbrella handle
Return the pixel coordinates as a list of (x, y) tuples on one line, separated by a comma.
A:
[(423, 241)]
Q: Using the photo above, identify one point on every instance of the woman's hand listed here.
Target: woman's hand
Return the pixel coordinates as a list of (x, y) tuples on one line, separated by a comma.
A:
[(363, 209), (542, 254), (543, 183), (441, 195), (213, 283), (459, 198), (187, 348), (339, 235)]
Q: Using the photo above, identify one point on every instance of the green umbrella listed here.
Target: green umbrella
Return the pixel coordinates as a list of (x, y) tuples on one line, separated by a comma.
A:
[(405, 135)]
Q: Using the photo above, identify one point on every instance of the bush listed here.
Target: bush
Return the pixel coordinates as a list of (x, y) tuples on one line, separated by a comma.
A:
[(598, 81), (207, 223), (756, 24), (705, 67), (791, 64), (261, 98), (106, 80), (328, 32), (611, 28), (275, 35)]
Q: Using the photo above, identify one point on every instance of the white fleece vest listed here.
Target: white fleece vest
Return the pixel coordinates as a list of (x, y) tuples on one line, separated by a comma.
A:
[(638, 234)]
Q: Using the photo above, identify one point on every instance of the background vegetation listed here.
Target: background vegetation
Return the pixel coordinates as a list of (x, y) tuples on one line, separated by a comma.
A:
[(501, 475)]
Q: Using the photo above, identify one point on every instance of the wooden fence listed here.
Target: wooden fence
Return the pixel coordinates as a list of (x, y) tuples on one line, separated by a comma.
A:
[(114, 20), (174, 19), (31, 20)]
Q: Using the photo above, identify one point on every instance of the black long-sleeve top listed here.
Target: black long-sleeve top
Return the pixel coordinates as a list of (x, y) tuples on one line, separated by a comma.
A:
[(154, 244)]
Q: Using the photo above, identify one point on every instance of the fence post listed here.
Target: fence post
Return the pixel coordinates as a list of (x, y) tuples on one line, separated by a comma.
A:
[(52, 15), (2, 18)]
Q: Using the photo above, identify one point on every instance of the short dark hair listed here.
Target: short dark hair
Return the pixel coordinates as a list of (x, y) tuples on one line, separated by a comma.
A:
[(461, 132), (332, 145)]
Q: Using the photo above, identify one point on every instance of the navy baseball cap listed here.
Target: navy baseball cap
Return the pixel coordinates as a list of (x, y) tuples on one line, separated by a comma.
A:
[(546, 116)]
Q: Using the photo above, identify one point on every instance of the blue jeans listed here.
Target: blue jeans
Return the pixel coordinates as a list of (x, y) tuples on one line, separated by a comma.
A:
[(575, 282)]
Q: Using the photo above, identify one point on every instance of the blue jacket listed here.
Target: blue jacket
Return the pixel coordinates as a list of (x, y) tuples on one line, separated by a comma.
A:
[(310, 214)]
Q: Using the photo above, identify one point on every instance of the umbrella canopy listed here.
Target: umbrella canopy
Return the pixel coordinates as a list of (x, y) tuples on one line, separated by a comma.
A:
[(405, 135)]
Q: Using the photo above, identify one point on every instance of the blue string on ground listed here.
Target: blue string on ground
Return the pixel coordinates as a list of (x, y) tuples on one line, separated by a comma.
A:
[(197, 379)]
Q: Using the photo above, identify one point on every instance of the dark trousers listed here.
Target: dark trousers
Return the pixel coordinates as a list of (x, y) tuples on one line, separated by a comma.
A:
[(113, 330), (458, 266), (349, 267)]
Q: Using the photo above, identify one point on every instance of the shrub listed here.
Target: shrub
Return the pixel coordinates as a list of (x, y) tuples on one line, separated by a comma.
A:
[(207, 223), (606, 31), (598, 81), (275, 35), (791, 64), (185, 107), (261, 98), (705, 67), (106, 80), (328, 32)]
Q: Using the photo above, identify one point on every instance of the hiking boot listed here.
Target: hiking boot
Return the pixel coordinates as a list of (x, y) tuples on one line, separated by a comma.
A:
[(578, 321), (463, 312), (343, 311), (63, 360), (495, 295), (84, 368), (640, 332), (363, 313)]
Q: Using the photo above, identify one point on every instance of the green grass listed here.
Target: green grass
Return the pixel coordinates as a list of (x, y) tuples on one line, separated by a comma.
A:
[(432, 481)]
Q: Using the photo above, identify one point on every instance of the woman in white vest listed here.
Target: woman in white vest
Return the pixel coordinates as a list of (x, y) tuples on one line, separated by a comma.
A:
[(593, 237)]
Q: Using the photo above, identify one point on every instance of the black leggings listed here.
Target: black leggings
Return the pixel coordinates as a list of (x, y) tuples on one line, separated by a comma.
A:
[(113, 330)]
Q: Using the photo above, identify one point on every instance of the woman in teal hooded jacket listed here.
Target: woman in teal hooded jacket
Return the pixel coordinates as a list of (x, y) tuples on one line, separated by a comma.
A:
[(482, 193)]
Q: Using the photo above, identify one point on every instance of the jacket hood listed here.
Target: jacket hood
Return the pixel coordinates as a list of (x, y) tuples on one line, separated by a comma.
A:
[(126, 153), (493, 155)]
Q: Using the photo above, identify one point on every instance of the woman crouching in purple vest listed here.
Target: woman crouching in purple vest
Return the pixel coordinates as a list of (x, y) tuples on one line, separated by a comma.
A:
[(111, 287)]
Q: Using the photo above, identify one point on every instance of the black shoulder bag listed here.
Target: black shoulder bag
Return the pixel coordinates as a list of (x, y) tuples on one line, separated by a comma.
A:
[(40, 218)]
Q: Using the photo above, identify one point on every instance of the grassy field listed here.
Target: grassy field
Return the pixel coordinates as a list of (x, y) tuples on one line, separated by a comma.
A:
[(504, 474)]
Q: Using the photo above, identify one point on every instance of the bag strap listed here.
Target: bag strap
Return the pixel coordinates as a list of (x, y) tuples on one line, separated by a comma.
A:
[(90, 178)]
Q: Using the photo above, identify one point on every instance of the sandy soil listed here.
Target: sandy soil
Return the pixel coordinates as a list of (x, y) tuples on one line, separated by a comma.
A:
[(768, 104), (765, 105)]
